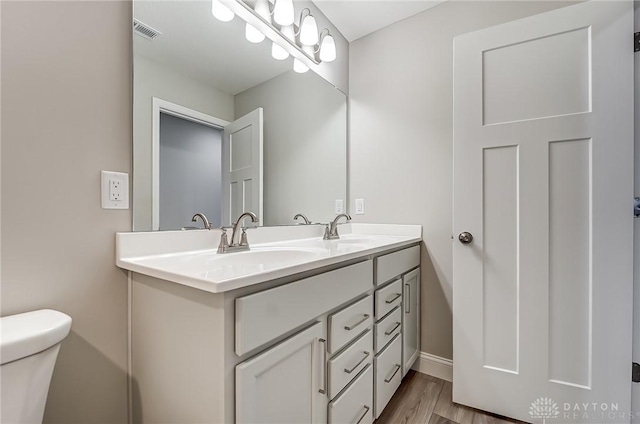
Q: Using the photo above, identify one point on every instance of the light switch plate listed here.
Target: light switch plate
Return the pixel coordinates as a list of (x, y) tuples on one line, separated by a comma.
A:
[(359, 206), (115, 190), (339, 206)]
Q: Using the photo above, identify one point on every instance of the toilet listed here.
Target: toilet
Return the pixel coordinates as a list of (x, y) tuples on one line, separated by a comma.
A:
[(29, 345)]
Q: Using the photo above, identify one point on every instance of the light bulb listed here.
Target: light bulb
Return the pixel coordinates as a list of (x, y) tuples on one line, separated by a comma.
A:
[(220, 11), (278, 53), (262, 9), (252, 34), (308, 31), (289, 32), (299, 67), (283, 12), (328, 49)]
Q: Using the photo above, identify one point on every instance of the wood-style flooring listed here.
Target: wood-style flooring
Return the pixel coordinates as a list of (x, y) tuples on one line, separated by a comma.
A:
[(425, 399)]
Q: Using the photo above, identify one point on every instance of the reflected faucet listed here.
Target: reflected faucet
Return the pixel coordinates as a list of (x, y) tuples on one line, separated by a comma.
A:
[(331, 230), (236, 246), (204, 219), (304, 218)]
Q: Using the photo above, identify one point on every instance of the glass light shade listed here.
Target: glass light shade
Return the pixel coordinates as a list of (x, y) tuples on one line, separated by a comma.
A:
[(289, 32), (253, 34), (278, 53), (220, 11), (328, 49), (309, 31), (299, 67), (262, 9), (283, 12)]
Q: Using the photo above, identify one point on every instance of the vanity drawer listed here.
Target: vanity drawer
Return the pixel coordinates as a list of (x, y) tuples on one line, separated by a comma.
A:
[(388, 328), (396, 263), (349, 363), (355, 405), (345, 325), (388, 298), (388, 373), (266, 315)]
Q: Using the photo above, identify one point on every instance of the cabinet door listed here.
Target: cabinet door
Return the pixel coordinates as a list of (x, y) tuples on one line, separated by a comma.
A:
[(410, 319), (285, 384)]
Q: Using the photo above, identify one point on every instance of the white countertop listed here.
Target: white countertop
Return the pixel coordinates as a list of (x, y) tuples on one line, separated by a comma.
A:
[(189, 257)]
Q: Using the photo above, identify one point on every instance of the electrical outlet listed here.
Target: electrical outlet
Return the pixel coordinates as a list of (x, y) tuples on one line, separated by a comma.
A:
[(339, 206), (359, 206), (115, 190)]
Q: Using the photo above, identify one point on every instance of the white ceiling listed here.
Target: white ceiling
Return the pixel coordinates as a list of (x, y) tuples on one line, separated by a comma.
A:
[(357, 18)]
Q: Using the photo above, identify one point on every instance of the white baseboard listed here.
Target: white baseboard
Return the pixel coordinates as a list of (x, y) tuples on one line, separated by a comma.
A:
[(434, 366)]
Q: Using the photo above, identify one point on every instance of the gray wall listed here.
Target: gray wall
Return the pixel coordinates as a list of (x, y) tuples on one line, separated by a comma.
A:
[(190, 172), (400, 155), (66, 115), (150, 80), (305, 127)]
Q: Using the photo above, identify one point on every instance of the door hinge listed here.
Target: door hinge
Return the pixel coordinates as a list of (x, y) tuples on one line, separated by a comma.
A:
[(635, 372), (636, 206), (636, 41)]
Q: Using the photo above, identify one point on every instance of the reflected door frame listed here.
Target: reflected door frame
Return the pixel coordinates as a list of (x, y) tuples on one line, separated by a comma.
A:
[(164, 106)]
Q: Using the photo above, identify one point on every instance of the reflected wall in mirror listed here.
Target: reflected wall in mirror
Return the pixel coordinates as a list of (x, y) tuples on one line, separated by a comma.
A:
[(191, 83)]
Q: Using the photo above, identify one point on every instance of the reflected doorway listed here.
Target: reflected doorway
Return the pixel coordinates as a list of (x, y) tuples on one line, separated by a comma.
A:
[(190, 172)]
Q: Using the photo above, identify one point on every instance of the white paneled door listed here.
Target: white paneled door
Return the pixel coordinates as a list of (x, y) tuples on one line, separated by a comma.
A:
[(242, 167), (543, 182)]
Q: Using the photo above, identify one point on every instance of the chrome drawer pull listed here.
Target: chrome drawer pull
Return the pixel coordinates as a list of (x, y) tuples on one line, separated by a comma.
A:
[(364, 318), (324, 366), (366, 355), (388, 301), (395, 327), (388, 380), (366, 411)]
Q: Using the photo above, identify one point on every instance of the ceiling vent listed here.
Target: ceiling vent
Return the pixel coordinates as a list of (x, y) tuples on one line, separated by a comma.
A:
[(145, 30)]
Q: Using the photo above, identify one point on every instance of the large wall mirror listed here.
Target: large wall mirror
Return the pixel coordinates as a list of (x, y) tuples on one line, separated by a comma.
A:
[(218, 121)]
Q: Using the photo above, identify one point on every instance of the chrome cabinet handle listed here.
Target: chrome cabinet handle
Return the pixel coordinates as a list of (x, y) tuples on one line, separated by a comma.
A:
[(388, 380), (407, 308), (364, 318), (366, 355), (395, 327), (366, 411), (393, 299), (324, 366)]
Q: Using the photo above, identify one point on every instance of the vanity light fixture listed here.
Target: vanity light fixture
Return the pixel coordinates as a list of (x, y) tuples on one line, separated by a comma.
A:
[(252, 34), (312, 48), (221, 11), (283, 12), (308, 28)]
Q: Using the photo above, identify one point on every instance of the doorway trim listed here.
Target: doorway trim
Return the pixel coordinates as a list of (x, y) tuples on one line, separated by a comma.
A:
[(164, 106)]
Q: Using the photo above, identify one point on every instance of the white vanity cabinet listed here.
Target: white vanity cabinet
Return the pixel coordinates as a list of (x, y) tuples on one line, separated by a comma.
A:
[(284, 384), (410, 319), (327, 346), (397, 304)]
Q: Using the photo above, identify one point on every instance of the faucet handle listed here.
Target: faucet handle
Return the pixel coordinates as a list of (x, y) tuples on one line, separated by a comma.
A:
[(243, 237), (224, 241), (327, 233)]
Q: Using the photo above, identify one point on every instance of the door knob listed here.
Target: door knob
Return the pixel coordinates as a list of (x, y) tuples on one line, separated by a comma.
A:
[(465, 237)]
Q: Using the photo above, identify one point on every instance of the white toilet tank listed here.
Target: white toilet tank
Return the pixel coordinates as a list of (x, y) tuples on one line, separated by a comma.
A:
[(29, 345)]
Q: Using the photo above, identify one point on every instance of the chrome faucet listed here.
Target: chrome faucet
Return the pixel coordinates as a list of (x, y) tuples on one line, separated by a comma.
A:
[(242, 244), (304, 218), (204, 219), (331, 230)]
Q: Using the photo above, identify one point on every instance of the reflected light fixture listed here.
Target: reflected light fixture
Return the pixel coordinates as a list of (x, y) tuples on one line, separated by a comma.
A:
[(221, 11), (308, 49)]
